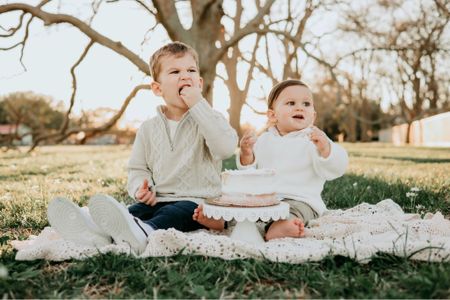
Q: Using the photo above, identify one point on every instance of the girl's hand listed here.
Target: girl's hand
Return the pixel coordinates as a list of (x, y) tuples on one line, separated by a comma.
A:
[(145, 194), (247, 142), (319, 138)]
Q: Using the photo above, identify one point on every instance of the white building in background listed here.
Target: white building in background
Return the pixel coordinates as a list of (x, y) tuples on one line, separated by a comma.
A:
[(433, 131)]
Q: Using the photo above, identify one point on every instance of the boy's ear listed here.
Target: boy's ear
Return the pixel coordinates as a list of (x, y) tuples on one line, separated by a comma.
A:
[(156, 88), (315, 117), (201, 83), (271, 116)]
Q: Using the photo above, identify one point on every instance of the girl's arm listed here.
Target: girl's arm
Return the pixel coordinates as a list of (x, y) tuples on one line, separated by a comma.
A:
[(334, 165)]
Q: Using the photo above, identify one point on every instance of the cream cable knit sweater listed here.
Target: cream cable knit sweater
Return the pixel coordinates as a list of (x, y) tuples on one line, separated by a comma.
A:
[(187, 167), (300, 171)]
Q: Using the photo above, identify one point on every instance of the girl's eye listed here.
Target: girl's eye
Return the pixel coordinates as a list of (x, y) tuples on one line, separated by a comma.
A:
[(307, 103), (291, 103)]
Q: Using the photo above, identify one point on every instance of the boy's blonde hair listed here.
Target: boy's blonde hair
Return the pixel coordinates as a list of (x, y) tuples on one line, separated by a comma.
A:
[(279, 87), (176, 49)]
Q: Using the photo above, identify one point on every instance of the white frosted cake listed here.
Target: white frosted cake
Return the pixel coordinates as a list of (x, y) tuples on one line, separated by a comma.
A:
[(251, 188)]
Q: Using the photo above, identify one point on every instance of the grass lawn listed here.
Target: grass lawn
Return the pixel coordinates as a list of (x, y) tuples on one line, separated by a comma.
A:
[(376, 172)]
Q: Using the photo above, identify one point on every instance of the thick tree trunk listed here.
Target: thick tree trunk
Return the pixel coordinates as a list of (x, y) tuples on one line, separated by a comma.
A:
[(208, 76)]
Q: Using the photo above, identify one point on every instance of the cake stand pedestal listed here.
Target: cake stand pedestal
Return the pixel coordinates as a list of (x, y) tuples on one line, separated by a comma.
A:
[(245, 229)]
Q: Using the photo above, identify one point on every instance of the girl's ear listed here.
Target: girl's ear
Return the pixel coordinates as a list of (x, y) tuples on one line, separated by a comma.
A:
[(271, 116), (156, 88)]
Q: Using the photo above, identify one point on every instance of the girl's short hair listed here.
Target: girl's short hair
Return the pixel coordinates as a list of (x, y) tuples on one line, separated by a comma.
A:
[(177, 49), (279, 87)]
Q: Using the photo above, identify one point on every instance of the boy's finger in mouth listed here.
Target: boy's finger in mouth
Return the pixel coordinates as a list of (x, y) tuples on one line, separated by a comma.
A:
[(182, 87)]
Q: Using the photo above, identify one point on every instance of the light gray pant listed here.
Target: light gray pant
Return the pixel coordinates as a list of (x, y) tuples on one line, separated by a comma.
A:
[(298, 209), (301, 210)]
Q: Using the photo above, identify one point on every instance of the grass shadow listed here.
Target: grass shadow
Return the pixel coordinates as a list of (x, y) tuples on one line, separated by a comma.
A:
[(404, 158), (419, 160)]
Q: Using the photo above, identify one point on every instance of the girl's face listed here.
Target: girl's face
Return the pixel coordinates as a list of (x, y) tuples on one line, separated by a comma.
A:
[(293, 110)]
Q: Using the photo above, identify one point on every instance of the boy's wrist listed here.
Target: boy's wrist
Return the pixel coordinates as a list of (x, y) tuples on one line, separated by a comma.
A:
[(192, 103)]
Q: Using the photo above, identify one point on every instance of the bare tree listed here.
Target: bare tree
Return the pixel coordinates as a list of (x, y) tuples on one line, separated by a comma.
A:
[(204, 35), (286, 27), (415, 47)]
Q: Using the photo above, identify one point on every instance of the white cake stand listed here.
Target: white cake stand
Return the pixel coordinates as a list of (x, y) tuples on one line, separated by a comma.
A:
[(245, 229)]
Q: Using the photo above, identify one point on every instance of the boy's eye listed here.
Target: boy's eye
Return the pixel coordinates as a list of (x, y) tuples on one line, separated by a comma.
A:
[(174, 72), (193, 70)]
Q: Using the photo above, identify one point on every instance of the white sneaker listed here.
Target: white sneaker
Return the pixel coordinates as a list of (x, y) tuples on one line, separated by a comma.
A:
[(114, 218), (73, 224)]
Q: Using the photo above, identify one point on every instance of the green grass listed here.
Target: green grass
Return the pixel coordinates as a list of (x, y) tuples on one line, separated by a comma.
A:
[(376, 172)]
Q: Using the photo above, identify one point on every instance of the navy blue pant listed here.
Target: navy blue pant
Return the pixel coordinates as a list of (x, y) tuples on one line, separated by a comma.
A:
[(166, 215)]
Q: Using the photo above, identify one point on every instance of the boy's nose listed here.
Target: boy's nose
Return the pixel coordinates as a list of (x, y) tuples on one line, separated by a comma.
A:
[(185, 75)]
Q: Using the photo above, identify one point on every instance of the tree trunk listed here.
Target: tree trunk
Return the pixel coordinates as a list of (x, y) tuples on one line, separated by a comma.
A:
[(236, 103), (408, 133), (208, 76), (351, 124), (365, 127)]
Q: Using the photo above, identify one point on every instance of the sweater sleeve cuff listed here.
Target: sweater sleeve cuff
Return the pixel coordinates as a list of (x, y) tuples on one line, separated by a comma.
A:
[(201, 109), (242, 167), (332, 151)]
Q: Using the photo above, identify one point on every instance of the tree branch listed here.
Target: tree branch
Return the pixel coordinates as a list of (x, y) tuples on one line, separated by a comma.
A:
[(166, 14), (74, 87), (23, 43), (13, 29), (91, 131), (148, 9), (50, 19), (255, 110), (250, 28)]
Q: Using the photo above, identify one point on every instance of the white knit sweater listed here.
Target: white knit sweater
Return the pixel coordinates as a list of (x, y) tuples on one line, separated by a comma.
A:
[(300, 171), (187, 167)]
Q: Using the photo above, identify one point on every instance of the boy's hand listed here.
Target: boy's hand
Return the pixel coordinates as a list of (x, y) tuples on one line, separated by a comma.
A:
[(319, 138), (191, 95), (247, 142), (145, 194)]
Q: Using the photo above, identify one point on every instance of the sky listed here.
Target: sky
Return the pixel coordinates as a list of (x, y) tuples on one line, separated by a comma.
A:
[(104, 77)]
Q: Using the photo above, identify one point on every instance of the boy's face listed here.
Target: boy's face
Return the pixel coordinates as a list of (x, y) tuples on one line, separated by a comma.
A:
[(293, 109), (176, 73)]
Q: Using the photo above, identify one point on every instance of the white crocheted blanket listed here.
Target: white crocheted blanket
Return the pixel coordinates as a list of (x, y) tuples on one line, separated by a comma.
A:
[(359, 232)]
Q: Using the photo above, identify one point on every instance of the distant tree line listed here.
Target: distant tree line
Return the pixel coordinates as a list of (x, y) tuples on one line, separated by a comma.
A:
[(377, 50)]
